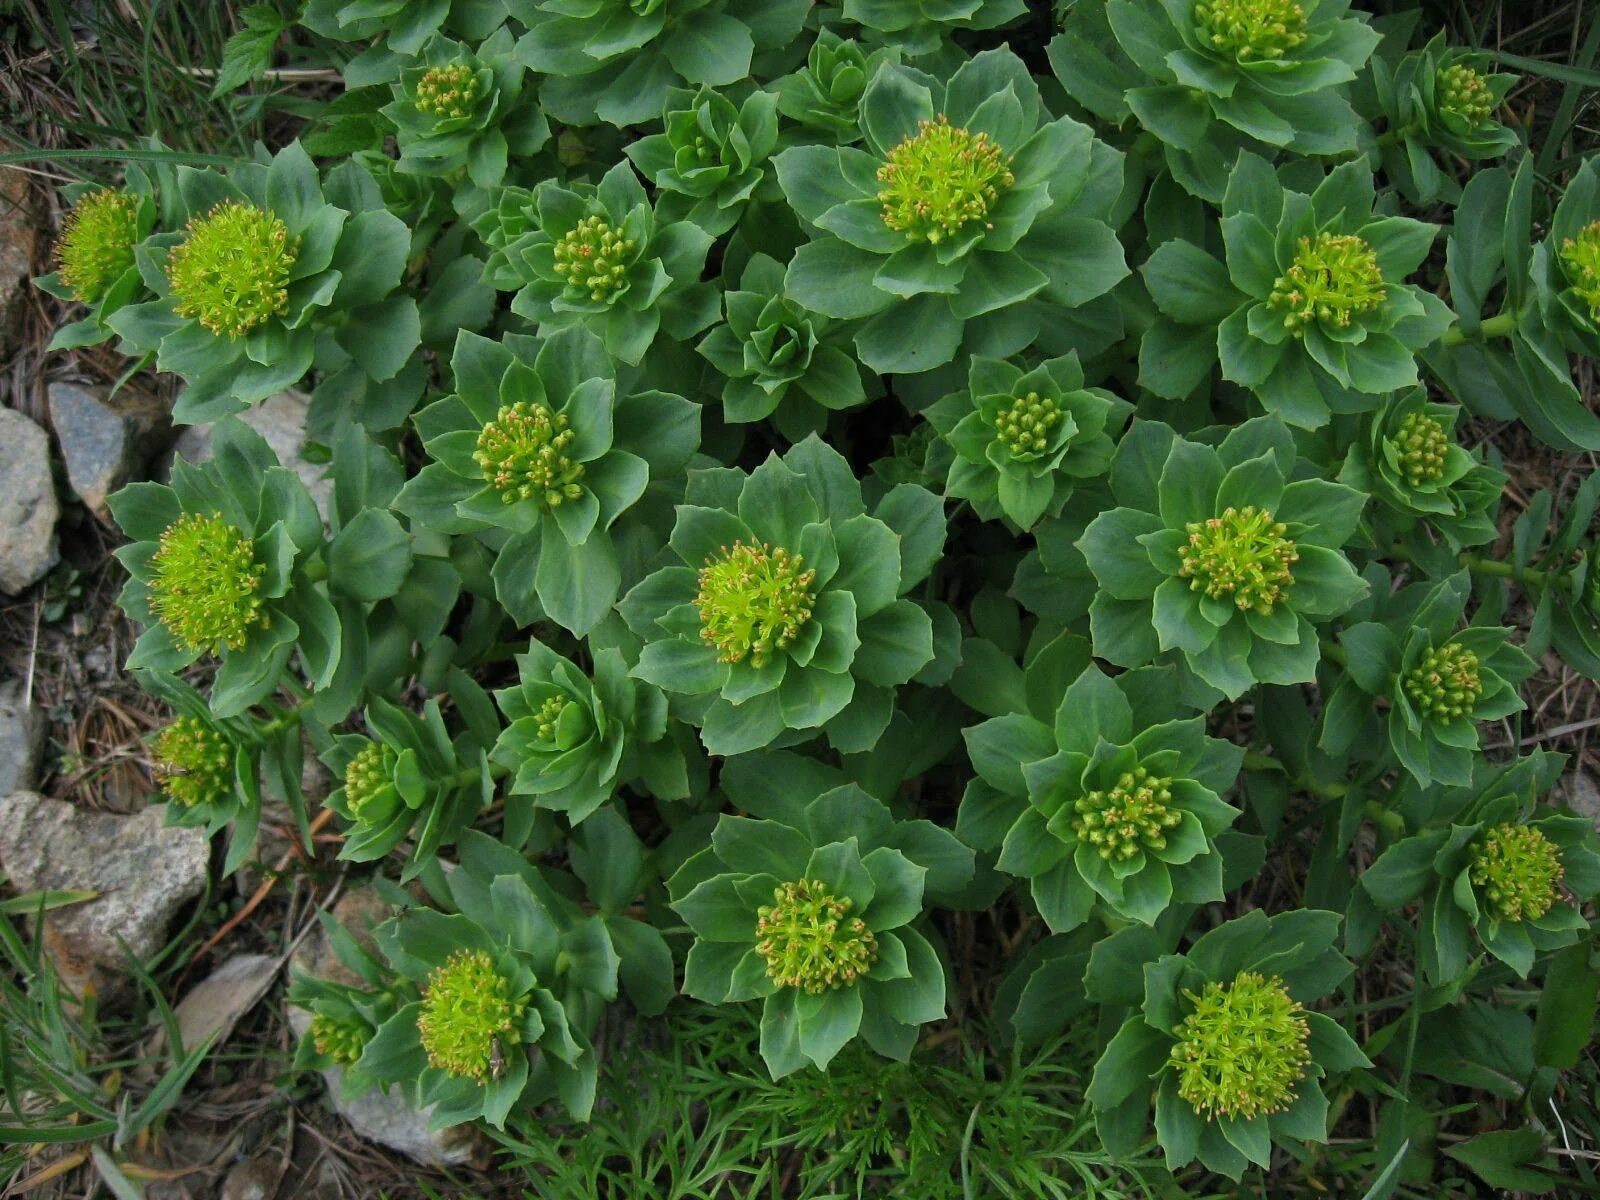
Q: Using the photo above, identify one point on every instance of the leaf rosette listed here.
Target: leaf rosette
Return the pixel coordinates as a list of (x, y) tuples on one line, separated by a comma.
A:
[(825, 95), (1220, 554), (1224, 1044), (969, 215), (277, 270), (778, 360), (537, 452), (456, 108), (815, 915), (1312, 312), (95, 254), (710, 157), (922, 26), (574, 741), (598, 256), (1105, 805), (786, 615), (1021, 438)]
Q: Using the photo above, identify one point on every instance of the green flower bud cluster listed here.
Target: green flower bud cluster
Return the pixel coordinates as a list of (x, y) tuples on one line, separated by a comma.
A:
[(753, 599), (523, 455), (1251, 30), (446, 92), (939, 179), (1422, 445), (365, 774), (1333, 278), (1445, 684), (548, 715), (204, 579), (1243, 1048), (341, 1039), (95, 248), (1129, 817), (1464, 93), (468, 1016), (231, 271), (1581, 255), (810, 941), (194, 762), (1243, 554), (1519, 870), (1026, 426), (593, 257)]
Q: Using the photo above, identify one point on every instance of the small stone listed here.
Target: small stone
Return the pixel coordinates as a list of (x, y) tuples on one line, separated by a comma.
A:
[(1583, 795), (253, 1179), (28, 508), (21, 739), (105, 441), (19, 239), (142, 870), (281, 420)]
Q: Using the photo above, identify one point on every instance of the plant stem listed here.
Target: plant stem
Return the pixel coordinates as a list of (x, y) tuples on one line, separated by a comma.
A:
[(1493, 568), (1256, 761), (1499, 325)]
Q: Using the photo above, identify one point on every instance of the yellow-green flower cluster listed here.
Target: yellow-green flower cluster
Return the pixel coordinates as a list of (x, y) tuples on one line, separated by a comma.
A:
[(341, 1039), (1518, 870), (1242, 554), (939, 179), (809, 940), (95, 248), (1333, 278), (1445, 685), (231, 271), (1422, 444), (1251, 30), (1581, 254), (204, 580), (1465, 93), (1243, 1048), (1130, 816), (365, 774), (446, 92), (593, 257), (194, 762), (753, 599), (523, 454), (469, 1016), (548, 715), (1026, 426)]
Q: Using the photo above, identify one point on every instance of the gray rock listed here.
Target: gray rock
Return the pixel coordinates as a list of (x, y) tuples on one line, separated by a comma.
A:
[(253, 1179), (105, 441), (281, 420), (19, 241), (142, 870), (1583, 795), (21, 739), (28, 508), (383, 1117)]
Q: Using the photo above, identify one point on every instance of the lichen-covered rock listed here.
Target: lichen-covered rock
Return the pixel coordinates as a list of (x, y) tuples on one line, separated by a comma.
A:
[(19, 238), (21, 738), (105, 441), (142, 870), (28, 508), (281, 420)]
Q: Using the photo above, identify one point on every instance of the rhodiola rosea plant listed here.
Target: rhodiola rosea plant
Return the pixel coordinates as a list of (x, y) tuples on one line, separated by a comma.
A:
[(902, 515)]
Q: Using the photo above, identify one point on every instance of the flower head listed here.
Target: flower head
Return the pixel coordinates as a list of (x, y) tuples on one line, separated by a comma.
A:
[(593, 257), (1581, 255), (204, 582), (1243, 554), (939, 179), (753, 600), (548, 716), (523, 454), (231, 271), (195, 763), (1464, 92), (467, 1012), (340, 1038), (96, 244), (1445, 685), (1025, 427), (810, 941), (1251, 30), (1333, 278), (1519, 870), (1422, 444), (1130, 816), (1243, 1048), (446, 92), (365, 774)]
